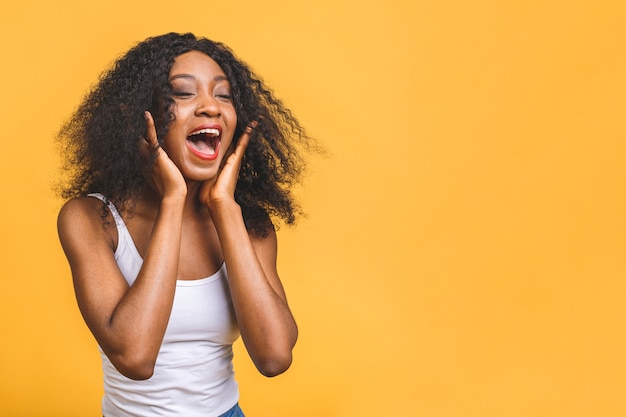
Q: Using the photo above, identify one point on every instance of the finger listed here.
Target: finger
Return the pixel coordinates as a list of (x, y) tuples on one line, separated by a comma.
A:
[(150, 135), (236, 158), (244, 139)]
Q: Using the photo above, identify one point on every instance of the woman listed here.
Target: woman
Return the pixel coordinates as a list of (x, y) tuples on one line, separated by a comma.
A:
[(178, 159)]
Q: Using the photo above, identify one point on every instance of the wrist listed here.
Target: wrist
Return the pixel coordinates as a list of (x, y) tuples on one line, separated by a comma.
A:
[(173, 201), (223, 206), (228, 220)]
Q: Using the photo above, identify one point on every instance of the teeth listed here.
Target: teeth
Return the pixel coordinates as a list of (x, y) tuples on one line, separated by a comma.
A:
[(213, 132)]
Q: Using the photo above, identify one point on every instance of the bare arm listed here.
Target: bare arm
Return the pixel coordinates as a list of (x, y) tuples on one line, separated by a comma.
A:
[(267, 326), (127, 322)]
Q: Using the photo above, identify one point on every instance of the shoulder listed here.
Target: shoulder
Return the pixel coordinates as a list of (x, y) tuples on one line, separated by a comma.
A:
[(80, 210), (83, 218)]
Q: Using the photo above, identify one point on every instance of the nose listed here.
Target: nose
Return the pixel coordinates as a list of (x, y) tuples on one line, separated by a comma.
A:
[(208, 106)]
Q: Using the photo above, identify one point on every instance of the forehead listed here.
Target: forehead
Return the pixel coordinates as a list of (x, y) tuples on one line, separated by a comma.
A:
[(196, 63)]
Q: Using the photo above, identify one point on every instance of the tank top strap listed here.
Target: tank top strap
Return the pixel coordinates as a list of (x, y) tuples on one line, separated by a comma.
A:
[(126, 254), (123, 235), (116, 215)]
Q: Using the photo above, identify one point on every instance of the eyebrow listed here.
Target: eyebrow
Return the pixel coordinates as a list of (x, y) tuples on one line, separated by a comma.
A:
[(191, 77)]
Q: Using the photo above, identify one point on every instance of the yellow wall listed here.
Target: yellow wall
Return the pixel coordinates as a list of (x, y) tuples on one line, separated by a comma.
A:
[(464, 249)]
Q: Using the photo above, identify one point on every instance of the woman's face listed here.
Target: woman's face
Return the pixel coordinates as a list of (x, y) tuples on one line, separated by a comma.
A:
[(205, 116)]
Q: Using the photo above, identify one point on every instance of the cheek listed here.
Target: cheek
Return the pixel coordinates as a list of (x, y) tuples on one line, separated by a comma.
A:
[(231, 120), (174, 138), (168, 146), (233, 115)]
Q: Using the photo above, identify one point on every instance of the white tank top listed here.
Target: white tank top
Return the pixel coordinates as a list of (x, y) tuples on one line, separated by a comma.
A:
[(193, 375)]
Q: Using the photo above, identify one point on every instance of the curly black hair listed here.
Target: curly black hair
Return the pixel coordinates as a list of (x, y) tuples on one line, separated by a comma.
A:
[(100, 142)]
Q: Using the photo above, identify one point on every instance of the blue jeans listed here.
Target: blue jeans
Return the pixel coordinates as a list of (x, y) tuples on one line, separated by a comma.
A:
[(234, 412)]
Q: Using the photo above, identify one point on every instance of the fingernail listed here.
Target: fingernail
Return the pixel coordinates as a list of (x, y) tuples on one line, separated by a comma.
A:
[(251, 126)]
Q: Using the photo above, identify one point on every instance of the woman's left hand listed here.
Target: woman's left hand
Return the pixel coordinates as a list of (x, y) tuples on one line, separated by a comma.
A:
[(265, 322), (222, 190)]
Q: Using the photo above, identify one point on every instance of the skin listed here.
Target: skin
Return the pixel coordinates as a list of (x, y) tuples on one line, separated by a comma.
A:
[(185, 224)]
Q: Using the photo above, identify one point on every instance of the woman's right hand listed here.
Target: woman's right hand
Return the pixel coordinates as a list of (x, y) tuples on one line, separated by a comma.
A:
[(164, 175)]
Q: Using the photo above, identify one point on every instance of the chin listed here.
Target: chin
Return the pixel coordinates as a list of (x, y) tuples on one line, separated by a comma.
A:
[(201, 175)]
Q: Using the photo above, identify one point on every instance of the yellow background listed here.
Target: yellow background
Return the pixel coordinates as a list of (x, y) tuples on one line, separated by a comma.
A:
[(463, 253)]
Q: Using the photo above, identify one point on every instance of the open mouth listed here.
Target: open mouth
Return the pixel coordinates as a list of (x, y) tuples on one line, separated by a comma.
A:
[(204, 142)]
